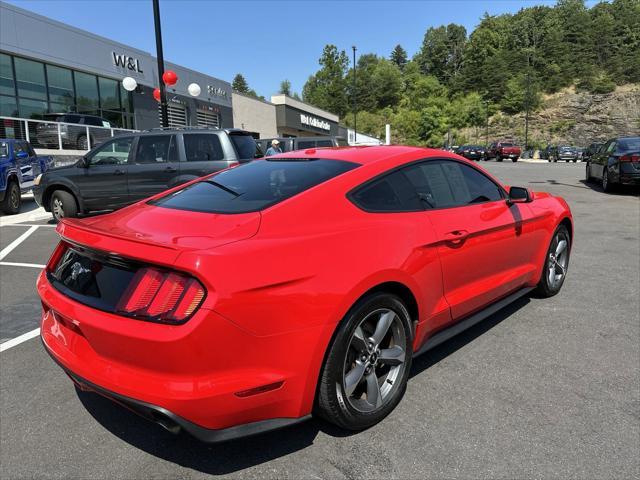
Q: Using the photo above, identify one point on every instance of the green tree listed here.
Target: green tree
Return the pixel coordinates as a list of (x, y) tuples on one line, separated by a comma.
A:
[(327, 88), (399, 57), (442, 52), (285, 87), (239, 84)]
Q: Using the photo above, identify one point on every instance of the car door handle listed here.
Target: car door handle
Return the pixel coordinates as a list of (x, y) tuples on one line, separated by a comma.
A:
[(171, 170), (456, 236), (119, 172)]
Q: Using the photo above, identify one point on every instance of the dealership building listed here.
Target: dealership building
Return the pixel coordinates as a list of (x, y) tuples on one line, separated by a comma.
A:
[(48, 67)]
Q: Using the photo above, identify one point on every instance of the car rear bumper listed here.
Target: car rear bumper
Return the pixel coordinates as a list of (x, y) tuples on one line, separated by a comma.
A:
[(193, 376), (629, 178)]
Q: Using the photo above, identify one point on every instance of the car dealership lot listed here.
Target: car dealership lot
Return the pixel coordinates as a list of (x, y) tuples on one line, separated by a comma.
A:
[(544, 388)]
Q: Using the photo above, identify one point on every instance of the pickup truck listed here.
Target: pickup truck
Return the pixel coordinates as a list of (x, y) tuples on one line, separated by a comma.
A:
[(502, 150), (19, 167)]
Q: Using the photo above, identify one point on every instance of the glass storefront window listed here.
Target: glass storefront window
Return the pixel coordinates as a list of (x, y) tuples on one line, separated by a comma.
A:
[(114, 118), (109, 94), (86, 92), (60, 85), (8, 106), (30, 79), (59, 108), (7, 86), (125, 95), (31, 108)]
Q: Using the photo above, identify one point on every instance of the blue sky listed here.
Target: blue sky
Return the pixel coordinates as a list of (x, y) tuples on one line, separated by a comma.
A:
[(267, 41)]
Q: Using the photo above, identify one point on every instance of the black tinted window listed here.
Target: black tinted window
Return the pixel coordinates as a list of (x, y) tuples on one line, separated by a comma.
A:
[(443, 184), (324, 143), (391, 193), (200, 147), (629, 145), (155, 149), (254, 186), (246, 146), (304, 144)]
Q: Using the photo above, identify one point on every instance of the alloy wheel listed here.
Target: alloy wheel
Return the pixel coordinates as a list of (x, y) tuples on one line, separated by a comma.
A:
[(57, 209), (558, 259), (14, 198), (375, 360)]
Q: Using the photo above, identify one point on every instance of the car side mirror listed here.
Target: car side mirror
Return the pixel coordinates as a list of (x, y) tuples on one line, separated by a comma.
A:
[(22, 155), (519, 195), (84, 162)]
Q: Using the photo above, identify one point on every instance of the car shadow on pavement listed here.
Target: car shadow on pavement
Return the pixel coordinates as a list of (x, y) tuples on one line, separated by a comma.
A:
[(239, 454), (622, 190), (432, 357), (187, 451)]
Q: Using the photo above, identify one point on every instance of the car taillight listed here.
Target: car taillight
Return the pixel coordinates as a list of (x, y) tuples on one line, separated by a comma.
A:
[(634, 157), (56, 256), (161, 296)]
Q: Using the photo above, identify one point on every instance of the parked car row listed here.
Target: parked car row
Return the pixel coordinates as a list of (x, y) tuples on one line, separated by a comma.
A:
[(130, 167), (616, 162), (288, 144), (566, 153), (19, 167)]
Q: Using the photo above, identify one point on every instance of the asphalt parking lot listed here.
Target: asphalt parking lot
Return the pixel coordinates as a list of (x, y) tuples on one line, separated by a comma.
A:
[(544, 388)]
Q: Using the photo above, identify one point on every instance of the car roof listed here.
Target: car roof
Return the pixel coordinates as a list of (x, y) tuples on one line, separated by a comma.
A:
[(364, 154)]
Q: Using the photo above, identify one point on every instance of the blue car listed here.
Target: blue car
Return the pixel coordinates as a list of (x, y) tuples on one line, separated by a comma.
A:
[(19, 168)]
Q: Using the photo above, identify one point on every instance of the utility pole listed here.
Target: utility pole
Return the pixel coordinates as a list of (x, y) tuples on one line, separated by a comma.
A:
[(355, 104), (160, 57)]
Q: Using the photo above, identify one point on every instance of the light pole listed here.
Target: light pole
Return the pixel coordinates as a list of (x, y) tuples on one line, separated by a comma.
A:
[(160, 57), (355, 105)]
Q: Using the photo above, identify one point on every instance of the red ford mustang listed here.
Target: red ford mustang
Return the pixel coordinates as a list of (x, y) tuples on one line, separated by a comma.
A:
[(306, 282)]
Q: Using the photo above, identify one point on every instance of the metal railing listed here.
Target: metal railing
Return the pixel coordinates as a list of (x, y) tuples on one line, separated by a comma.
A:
[(57, 135)]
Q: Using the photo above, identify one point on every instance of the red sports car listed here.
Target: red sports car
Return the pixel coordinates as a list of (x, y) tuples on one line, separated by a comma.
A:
[(246, 300)]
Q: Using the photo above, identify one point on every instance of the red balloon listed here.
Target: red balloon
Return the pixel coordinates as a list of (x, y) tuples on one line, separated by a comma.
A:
[(169, 77), (156, 94)]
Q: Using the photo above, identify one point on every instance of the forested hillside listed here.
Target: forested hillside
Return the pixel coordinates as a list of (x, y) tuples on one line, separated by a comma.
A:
[(508, 63)]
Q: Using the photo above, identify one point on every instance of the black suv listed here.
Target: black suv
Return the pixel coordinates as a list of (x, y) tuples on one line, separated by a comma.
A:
[(132, 167), (288, 144), (73, 132)]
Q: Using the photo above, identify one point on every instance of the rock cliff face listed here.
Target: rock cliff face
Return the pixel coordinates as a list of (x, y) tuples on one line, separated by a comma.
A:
[(572, 118)]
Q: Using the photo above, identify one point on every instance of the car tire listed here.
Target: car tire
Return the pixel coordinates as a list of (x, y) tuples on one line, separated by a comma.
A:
[(514, 160), (498, 158), (82, 143), (607, 187), (587, 173), (63, 205), (357, 388), (556, 263), (12, 198)]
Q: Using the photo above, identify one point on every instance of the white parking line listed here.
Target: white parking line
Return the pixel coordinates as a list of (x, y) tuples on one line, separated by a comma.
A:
[(18, 340), (7, 250), (17, 264), (28, 225)]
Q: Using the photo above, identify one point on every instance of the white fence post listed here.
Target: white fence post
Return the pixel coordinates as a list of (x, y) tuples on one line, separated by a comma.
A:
[(26, 131), (59, 138), (387, 134), (88, 139)]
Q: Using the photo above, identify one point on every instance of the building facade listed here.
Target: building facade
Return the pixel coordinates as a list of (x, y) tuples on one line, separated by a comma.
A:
[(295, 118), (254, 115), (49, 67)]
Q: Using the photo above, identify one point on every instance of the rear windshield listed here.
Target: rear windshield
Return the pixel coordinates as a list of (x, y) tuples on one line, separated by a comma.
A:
[(629, 144), (254, 186), (507, 144), (246, 146)]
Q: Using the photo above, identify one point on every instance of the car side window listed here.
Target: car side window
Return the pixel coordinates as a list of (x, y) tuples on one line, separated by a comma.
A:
[(114, 152), (611, 147), (19, 147), (154, 149), (304, 144), (444, 184), (390, 193), (324, 143), (200, 147)]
